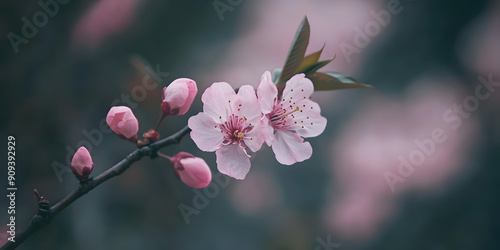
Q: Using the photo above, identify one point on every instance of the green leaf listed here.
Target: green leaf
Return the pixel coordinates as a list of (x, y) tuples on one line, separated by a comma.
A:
[(314, 67), (296, 52), (276, 73), (309, 60), (332, 81)]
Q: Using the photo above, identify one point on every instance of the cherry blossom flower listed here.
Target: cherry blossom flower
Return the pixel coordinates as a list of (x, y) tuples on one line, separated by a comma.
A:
[(82, 164), (287, 121), (228, 125), (193, 171), (178, 96), (123, 122)]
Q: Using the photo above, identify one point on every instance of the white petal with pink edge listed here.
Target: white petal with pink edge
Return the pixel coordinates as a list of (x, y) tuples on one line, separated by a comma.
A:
[(267, 93), (232, 160), (290, 148), (266, 131), (297, 88), (308, 122), (205, 132), (247, 106), (217, 100)]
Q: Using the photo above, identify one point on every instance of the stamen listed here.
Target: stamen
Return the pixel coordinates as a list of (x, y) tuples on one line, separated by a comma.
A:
[(293, 111), (234, 130)]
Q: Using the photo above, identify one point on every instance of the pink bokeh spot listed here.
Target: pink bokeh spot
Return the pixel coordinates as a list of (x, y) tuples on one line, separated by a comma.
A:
[(103, 19), (259, 193), (331, 23), (374, 142)]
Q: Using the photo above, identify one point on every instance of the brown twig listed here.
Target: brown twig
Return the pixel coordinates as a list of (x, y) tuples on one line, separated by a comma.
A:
[(46, 213)]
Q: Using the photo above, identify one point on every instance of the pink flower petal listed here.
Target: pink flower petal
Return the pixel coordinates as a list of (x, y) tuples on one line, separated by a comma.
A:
[(298, 88), (247, 106), (205, 132), (266, 131), (232, 160), (267, 93), (193, 90), (176, 94), (130, 126), (310, 123), (253, 139), (216, 100), (113, 119), (290, 148)]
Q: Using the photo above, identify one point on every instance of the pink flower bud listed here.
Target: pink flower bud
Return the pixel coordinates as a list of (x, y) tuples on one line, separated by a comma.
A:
[(178, 96), (193, 171), (82, 164), (123, 122)]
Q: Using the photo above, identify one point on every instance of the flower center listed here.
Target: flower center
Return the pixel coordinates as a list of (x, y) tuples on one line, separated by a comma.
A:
[(234, 130), (281, 118)]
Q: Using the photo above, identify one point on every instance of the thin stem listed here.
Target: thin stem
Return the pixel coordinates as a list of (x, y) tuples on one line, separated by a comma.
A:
[(44, 215), (159, 121), (164, 156)]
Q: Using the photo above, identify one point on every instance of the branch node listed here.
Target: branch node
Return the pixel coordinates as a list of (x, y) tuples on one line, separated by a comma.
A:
[(153, 155), (44, 214), (87, 185)]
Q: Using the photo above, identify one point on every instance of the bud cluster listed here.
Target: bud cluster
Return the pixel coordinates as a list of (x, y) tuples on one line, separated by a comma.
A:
[(176, 100)]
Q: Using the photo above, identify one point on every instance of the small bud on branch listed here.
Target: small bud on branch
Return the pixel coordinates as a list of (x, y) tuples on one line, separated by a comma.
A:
[(82, 164)]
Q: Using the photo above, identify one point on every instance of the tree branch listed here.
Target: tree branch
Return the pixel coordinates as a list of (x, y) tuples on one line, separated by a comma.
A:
[(45, 214)]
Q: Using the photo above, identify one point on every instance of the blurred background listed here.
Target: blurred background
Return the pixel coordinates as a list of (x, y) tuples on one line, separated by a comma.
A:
[(63, 64)]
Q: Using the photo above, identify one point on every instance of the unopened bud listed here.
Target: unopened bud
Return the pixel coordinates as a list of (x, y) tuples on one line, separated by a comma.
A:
[(123, 122), (193, 171), (82, 164), (178, 96)]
